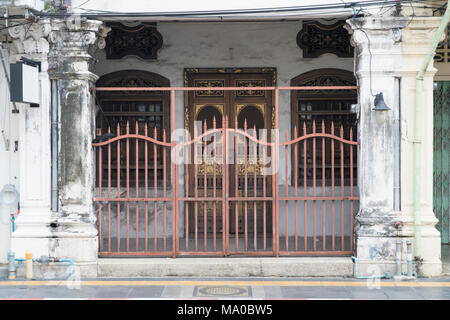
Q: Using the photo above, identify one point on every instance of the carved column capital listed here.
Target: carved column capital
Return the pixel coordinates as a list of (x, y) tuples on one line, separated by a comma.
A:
[(74, 35), (70, 43), (30, 40), (418, 35), (381, 33)]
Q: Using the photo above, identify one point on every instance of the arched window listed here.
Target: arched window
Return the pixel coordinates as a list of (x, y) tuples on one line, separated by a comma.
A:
[(323, 107), (138, 108)]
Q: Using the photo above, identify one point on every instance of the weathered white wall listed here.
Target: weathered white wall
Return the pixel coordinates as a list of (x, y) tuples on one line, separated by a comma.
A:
[(9, 159), (32, 4), (417, 38)]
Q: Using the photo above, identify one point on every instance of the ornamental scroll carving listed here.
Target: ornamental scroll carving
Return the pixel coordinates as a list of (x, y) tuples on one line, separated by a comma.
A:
[(143, 41), (209, 83), (316, 39), (250, 83)]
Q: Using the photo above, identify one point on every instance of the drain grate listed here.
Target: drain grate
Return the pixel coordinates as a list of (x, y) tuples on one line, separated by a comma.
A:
[(222, 291)]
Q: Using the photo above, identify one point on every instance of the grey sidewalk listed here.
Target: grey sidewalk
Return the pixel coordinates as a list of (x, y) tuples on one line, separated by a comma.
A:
[(229, 288)]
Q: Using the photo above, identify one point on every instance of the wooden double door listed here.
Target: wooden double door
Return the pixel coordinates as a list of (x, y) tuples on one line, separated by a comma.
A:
[(245, 109)]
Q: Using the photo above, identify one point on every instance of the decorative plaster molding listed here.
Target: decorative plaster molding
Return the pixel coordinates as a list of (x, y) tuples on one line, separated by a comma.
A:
[(316, 39), (72, 45), (420, 31), (142, 40), (30, 39), (75, 38)]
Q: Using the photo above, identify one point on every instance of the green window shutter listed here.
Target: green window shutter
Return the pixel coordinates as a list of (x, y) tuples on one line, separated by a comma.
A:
[(441, 158)]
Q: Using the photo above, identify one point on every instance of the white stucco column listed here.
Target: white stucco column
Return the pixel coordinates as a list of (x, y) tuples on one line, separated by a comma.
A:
[(70, 65), (416, 41), (378, 54), (32, 234)]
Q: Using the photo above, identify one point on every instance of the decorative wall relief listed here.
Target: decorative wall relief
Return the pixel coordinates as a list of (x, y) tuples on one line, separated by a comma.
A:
[(250, 83), (143, 41), (316, 39)]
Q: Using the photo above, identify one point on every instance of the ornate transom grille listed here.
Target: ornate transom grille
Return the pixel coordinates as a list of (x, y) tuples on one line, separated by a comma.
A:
[(143, 41), (316, 39)]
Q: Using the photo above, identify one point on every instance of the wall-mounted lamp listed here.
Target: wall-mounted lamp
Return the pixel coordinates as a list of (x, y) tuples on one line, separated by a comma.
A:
[(379, 104)]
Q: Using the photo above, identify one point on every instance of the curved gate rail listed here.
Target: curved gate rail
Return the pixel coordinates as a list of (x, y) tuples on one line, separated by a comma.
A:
[(318, 194), (149, 194), (142, 212)]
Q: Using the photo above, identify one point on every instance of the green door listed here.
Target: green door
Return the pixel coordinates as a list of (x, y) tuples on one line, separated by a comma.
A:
[(441, 163)]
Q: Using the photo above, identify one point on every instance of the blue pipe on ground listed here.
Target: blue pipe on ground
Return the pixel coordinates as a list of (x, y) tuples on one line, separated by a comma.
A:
[(386, 275)]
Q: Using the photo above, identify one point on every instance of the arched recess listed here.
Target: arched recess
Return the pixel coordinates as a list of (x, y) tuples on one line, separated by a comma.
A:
[(120, 106), (136, 108), (327, 107)]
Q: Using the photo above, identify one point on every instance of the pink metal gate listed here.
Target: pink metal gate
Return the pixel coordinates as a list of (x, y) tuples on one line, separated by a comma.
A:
[(232, 208)]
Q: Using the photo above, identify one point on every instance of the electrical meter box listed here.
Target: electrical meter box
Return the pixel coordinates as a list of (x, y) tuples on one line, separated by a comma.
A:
[(24, 83)]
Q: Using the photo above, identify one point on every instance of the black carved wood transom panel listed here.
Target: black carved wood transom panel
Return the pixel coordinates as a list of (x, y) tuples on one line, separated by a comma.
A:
[(143, 41), (316, 39), (325, 77)]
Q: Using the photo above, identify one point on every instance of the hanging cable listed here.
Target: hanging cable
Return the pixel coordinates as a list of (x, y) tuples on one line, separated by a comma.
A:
[(343, 5)]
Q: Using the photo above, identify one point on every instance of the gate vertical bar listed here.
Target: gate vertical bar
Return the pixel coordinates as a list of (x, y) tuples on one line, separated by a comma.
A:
[(214, 186), (109, 193), (118, 187), (255, 192), (100, 160), (351, 190), (342, 188), (164, 152), (245, 188), (286, 191), (155, 192), (128, 186), (225, 244), (332, 190), (305, 188), (205, 192), (175, 218), (265, 202), (137, 186), (236, 188), (323, 190), (195, 193), (146, 187), (275, 154), (186, 191), (226, 190), (295, 169), (314, 186)]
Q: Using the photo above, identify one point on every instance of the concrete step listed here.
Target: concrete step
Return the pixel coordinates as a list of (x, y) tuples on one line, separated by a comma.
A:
[(226, 267)]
